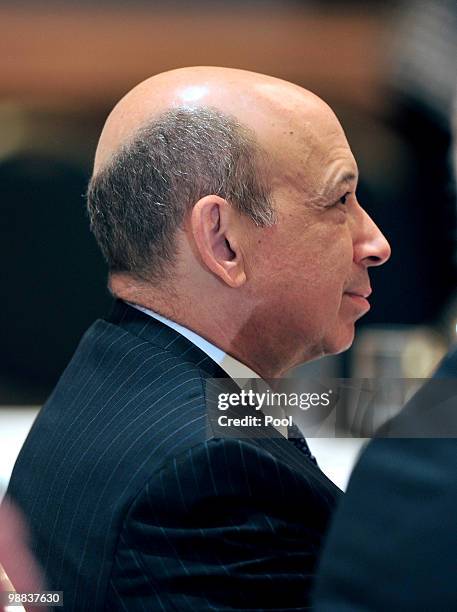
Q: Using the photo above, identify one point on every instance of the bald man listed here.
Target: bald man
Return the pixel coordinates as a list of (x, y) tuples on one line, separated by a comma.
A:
[(224, 203)]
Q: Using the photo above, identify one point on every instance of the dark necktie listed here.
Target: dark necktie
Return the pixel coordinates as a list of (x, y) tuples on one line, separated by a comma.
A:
[(296, 438)]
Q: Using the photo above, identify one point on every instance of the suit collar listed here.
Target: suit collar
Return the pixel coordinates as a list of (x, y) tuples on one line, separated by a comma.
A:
[(150, 329), (234, 368)]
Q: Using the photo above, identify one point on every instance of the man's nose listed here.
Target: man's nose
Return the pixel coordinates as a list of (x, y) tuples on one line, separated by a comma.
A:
[(370, 245)]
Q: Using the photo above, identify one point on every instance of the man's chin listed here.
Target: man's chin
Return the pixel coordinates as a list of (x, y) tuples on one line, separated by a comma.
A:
[(332, 346), (341, 343)]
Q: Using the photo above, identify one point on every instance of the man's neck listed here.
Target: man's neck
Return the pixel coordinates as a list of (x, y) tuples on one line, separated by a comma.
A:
[(232, 366), (229, 332)]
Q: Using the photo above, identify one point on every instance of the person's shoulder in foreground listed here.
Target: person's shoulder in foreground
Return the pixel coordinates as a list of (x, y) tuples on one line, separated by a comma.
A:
[(393, 542), (225, 202)]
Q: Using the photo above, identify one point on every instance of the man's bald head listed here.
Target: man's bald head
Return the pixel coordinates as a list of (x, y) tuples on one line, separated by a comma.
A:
[(179, 136), (226, 200), (257, 101)]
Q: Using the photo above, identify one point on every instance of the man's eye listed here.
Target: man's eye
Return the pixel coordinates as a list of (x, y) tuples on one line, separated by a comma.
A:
[(343, 199)]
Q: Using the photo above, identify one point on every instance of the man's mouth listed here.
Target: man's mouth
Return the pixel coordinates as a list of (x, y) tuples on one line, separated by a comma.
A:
[(360, 292), (360, 299)]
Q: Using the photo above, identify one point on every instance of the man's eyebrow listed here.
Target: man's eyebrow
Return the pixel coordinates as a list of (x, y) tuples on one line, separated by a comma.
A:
[(347, 177), (332, 185)]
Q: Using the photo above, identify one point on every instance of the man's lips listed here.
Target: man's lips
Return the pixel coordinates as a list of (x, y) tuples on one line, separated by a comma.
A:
[(360, 297), (364, 293)]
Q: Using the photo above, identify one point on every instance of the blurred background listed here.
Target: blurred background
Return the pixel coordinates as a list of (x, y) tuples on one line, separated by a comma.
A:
[(387, 68)]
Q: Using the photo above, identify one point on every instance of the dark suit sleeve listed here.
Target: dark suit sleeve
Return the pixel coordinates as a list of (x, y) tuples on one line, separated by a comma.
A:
[(393, 542), (226, 526)]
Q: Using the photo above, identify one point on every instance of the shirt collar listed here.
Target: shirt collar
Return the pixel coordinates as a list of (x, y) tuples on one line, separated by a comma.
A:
[(231, 366)]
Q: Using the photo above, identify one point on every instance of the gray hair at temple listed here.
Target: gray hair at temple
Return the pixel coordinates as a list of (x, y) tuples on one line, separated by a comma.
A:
[(138, 202)]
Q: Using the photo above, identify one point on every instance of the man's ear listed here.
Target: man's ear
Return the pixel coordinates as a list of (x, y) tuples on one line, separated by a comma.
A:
[(214, 229)]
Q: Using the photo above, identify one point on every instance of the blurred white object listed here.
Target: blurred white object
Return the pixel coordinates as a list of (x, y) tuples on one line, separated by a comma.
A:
[(336, 456), (15, 423)]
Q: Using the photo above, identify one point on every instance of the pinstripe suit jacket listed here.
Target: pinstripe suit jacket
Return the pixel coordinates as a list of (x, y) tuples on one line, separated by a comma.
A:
[(134, 505)]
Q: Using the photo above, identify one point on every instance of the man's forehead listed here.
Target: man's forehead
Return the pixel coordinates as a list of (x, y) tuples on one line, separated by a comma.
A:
[(313, 151)]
